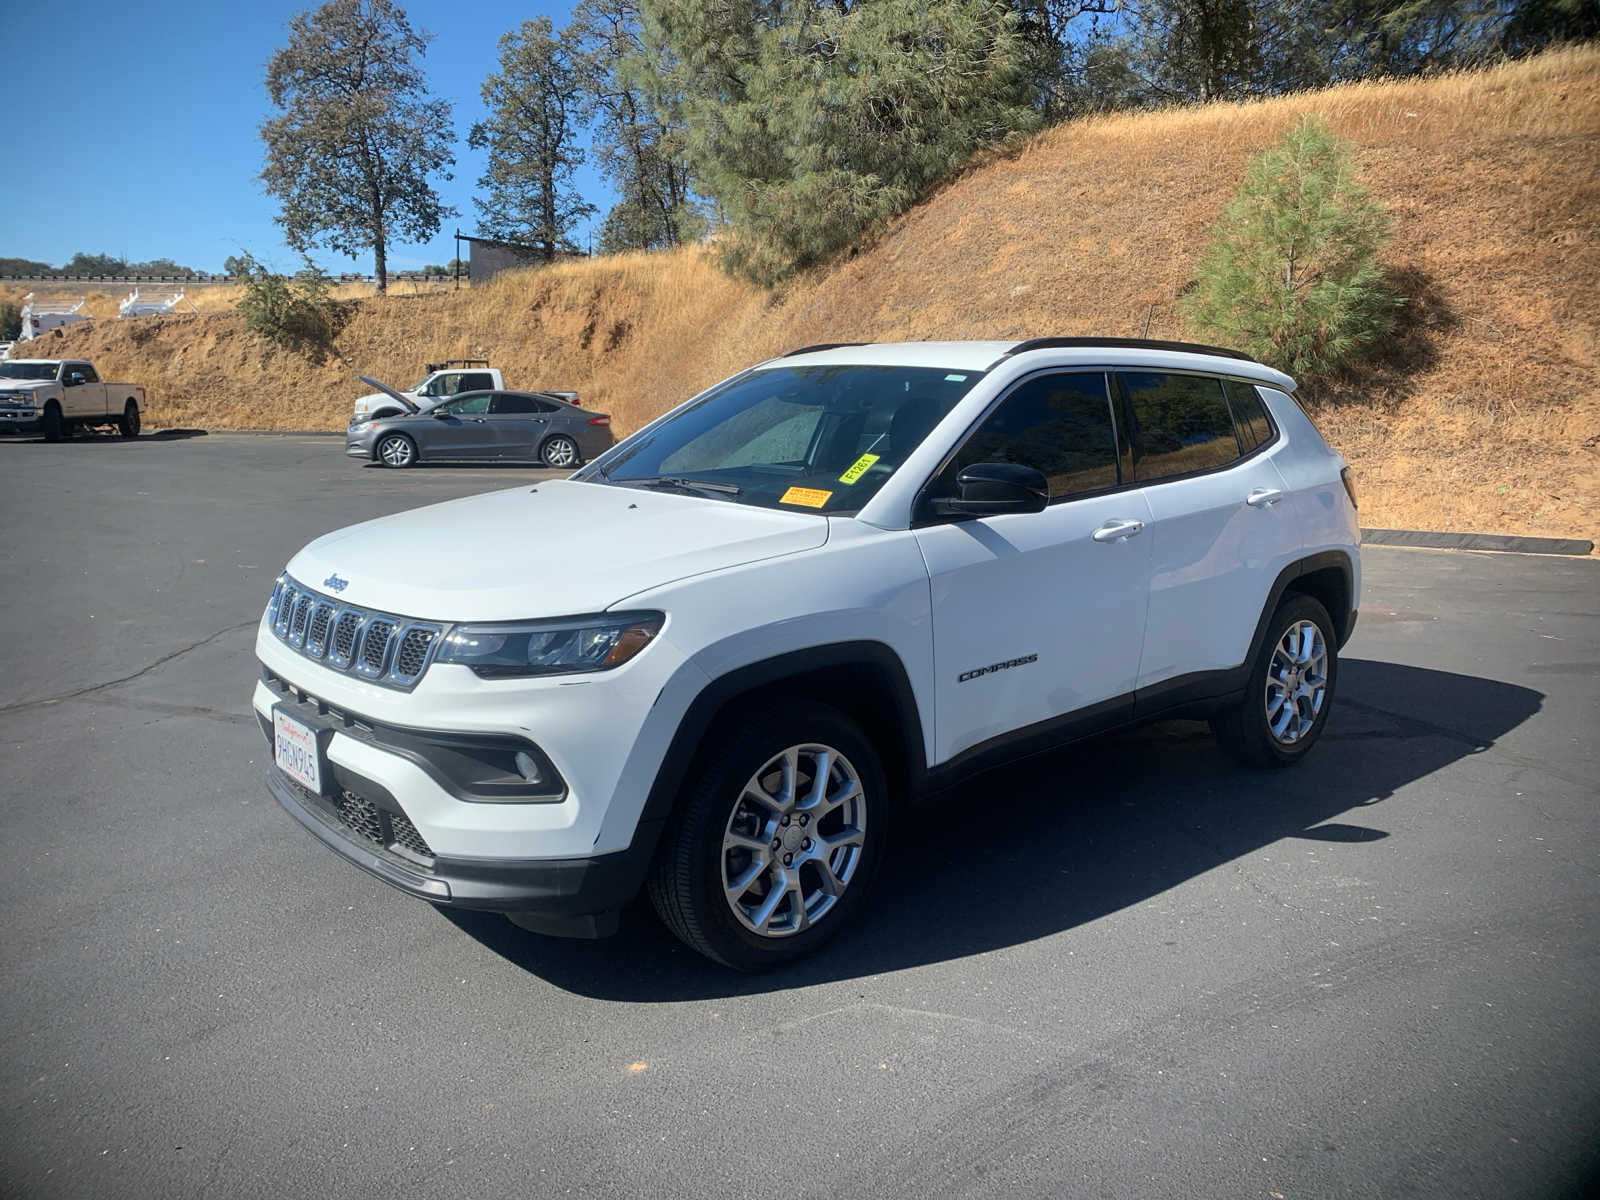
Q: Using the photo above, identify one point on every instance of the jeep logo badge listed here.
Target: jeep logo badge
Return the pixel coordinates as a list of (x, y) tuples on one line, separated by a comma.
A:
[(334, 582)]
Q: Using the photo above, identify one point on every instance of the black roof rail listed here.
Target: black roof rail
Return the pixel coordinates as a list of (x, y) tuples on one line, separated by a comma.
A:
[(1092, 343), (821, 346)]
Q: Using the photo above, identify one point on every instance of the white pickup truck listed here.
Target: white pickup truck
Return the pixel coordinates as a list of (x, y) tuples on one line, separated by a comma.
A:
[(57, 396), (443, 379)]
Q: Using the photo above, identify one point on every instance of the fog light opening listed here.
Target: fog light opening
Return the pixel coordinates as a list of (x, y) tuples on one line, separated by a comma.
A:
[(527, 768)]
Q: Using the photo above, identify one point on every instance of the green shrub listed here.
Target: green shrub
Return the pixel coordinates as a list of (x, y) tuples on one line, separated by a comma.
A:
[(299, 312), (10, 321), (1292, 273)]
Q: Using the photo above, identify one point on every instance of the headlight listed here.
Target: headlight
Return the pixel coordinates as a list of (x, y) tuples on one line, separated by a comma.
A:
[(564, 646)]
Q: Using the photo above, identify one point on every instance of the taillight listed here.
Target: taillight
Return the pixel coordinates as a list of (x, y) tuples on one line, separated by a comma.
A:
[(1349, 486), (607, 421)]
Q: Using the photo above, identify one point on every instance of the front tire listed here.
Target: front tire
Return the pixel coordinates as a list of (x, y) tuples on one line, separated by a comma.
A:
[(560, 451), (54, 427), (776, 839), (397, 450), (129, 425), (1290, 692)]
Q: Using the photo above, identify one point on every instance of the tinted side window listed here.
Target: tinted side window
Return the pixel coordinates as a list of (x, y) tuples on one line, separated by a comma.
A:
[(506, 402), (1058, 424), (474, 381), (89, 375), (1249, 415), (1177, 424)]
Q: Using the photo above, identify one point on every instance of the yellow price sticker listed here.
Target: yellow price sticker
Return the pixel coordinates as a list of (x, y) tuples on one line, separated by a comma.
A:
[(858, 468), (807, 497)]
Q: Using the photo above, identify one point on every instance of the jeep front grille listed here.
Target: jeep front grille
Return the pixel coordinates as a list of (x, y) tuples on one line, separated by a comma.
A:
[(381, 647)]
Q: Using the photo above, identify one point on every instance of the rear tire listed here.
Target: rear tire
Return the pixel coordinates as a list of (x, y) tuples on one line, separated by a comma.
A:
[(54, 427), (761, 864), (397, 450), (1290, 691), (561, 452), (129, 425)]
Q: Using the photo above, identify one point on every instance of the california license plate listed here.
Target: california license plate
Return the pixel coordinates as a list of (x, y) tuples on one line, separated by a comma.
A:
[(294, 744)]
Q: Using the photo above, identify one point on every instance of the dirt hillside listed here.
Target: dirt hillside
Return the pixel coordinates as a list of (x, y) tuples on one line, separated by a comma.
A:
[(1484, 413)]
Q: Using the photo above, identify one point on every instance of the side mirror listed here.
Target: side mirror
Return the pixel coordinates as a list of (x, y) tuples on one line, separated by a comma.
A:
[(74, 378), (439, 414), (990, 489)]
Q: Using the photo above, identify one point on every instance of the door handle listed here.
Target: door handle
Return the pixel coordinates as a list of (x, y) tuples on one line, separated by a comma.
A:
[(1263, 497), (1117, 531)]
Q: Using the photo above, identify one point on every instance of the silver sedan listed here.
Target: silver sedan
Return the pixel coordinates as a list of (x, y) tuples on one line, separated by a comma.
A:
[(501, 426)]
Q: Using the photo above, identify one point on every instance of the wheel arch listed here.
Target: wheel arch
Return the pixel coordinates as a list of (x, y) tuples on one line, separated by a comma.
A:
[(863, 679), (1327, 577)]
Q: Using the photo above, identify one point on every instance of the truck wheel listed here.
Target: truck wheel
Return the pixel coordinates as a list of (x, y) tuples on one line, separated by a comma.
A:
[(776, 837), (129, 425), (54, 427), (1286, 702), (559, 451), (397, 450)]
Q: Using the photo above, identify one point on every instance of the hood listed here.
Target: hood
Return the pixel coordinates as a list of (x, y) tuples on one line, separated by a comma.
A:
[(556, 549), (25, 385), (406, 400)]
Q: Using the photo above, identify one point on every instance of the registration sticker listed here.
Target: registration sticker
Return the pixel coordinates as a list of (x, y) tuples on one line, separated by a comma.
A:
[(806, 497), (858, 468), (294, 745)]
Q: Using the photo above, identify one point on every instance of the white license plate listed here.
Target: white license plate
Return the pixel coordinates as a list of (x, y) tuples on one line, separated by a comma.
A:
[(294, 744)]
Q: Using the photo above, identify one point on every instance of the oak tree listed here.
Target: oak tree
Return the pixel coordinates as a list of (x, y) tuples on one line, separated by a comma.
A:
[(359, 139)]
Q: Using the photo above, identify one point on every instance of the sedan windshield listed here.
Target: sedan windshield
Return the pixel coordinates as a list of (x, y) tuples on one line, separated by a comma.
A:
[(27, 370), (824, 438)]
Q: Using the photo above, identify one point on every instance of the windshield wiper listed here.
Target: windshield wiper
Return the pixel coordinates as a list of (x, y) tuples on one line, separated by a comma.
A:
[(685, 485)]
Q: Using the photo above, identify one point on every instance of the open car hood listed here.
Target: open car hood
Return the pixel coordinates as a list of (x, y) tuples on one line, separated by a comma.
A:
[(403, 400)]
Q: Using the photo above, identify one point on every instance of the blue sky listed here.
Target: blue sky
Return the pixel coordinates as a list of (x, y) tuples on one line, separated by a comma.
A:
[(149, 144)]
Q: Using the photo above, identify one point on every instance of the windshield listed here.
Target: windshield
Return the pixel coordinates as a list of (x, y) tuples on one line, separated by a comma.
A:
[(819, 438), (27, 370)]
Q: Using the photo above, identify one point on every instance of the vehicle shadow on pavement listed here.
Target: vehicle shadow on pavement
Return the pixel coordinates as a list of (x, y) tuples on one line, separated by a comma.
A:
[(1041, 847)]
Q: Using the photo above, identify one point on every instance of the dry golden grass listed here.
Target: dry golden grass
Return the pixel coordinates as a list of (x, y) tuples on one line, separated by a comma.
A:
[(1483, 415)]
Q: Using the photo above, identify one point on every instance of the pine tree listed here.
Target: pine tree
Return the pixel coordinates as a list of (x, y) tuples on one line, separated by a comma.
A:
[(638, 143), (351, 156), (533, 146), (810, 124), (1292, 273)]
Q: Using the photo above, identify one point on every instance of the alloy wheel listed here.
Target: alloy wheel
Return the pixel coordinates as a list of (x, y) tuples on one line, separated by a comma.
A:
[(396, 451), (794, 840), (560, 452), (1297, 682)]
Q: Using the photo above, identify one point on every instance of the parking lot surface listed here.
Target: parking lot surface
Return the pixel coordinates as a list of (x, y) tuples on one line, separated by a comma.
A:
[(1125, 969)]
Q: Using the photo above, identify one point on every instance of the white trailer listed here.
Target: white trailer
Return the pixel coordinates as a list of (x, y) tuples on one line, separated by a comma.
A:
[(141, 303), (41, 316)]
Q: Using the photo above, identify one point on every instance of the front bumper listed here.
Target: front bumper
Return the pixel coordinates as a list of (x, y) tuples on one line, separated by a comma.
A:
[(359, 445), (19, 420), (556, 886)]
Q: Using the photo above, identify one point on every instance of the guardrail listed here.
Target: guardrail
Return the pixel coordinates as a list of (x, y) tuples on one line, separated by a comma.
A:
[(394, 276)]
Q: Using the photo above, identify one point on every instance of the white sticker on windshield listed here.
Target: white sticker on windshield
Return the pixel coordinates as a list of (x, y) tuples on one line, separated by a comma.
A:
[(955, 378)]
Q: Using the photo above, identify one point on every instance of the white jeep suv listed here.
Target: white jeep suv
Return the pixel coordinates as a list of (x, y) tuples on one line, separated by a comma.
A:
[(792, 606)]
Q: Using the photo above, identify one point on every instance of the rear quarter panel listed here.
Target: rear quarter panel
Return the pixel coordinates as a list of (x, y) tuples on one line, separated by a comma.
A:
[(1317, 498)]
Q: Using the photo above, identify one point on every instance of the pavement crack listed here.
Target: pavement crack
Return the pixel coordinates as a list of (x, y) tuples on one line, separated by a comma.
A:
[(91, 689)]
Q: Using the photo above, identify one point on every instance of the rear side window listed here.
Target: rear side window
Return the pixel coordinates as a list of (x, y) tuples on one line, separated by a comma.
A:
[(506, 402), (1249, 415), (475, 381), (1057, 424), (1177, 424)]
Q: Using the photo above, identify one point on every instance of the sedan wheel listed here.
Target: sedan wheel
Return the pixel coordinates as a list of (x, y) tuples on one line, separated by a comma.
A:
[(560, 451), (397, 450)]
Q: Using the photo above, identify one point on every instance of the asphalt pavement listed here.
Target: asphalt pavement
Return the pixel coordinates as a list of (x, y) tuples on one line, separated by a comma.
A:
[(1125, 969)]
